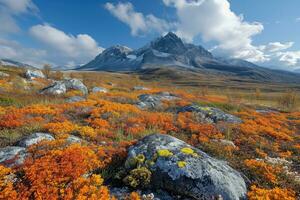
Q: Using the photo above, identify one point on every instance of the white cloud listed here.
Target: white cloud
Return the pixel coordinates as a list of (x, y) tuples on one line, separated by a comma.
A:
[(298, 19), (69, 48), (276, 46), (215, 21), (13, 50), (291, 58), (18, 6), (138, 22), (9, 9)]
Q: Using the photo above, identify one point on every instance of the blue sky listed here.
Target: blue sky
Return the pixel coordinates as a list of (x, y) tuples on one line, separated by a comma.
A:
[(72, 32)]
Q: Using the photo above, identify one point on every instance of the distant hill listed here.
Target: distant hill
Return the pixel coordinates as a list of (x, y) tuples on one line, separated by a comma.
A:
[(9, 62), (171, 51)]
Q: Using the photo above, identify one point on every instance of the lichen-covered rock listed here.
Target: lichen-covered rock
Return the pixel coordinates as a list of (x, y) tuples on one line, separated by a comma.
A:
[(154, 100), (61, 87), (210, 114), (31, 74), (75, 84), (56, 88), (75, 99), (12, 155), (99, 89), (182, 169), (34, 139)]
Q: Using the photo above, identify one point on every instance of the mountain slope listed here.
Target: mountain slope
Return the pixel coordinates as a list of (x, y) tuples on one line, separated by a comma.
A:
[(9, 62), (171, 51)]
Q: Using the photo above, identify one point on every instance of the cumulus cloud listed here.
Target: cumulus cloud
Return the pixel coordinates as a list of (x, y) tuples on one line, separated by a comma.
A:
[(69, 48), (9, 9), (215, 21), (13, 50), (290, 58), (276, 46), (138, 22)]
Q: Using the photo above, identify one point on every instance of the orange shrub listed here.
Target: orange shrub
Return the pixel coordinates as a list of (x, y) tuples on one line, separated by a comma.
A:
[(261, 169), (58, 128), (134, 196), (47, 177), (7, 190), (270, 194), (87, 188)]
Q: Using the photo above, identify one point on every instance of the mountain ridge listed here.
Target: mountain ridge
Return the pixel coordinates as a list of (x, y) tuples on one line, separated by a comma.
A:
[(170, 51)]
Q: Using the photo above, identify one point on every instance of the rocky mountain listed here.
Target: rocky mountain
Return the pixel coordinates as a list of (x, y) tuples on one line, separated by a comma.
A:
[(9, 62), (171, 51)]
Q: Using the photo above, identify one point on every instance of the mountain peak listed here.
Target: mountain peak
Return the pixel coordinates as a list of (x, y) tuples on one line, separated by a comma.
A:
[(171, 35), (170, 43)]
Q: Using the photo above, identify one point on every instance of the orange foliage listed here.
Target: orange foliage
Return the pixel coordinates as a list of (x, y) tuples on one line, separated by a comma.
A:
[(200, 132), (270, 194), (262, 169), (274, 125), (65, 127), (47, 177), (134, 196), (7, 190)]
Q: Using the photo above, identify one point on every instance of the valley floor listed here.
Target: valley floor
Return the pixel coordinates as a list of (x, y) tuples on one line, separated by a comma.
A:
[(264, 147)]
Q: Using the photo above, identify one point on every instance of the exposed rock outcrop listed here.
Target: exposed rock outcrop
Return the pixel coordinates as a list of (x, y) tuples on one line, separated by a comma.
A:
[(61, 87), (210, 114), (34, 139), (32, 74), (153, 101), (182, 169)]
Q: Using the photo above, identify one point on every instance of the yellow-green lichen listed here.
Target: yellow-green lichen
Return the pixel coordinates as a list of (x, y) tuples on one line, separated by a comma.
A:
[(139, 177), (181, 164), (140, 158), (164, 153), (187, 150), (206, 108)]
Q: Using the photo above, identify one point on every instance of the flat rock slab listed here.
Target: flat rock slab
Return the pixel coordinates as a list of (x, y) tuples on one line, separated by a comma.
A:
[(184, 170), (154, 100), (211, 114), (34, 139)]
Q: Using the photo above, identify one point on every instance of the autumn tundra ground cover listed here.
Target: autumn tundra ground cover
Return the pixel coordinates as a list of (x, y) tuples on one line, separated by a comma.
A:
[(264, 148)]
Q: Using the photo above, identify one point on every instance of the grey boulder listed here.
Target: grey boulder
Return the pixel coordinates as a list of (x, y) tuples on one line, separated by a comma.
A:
[(184, 170), (61, 87), (31, 74), (56, 88), (75, 84), (154, 100), (210, 114), (34, 139), (12, 155)]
